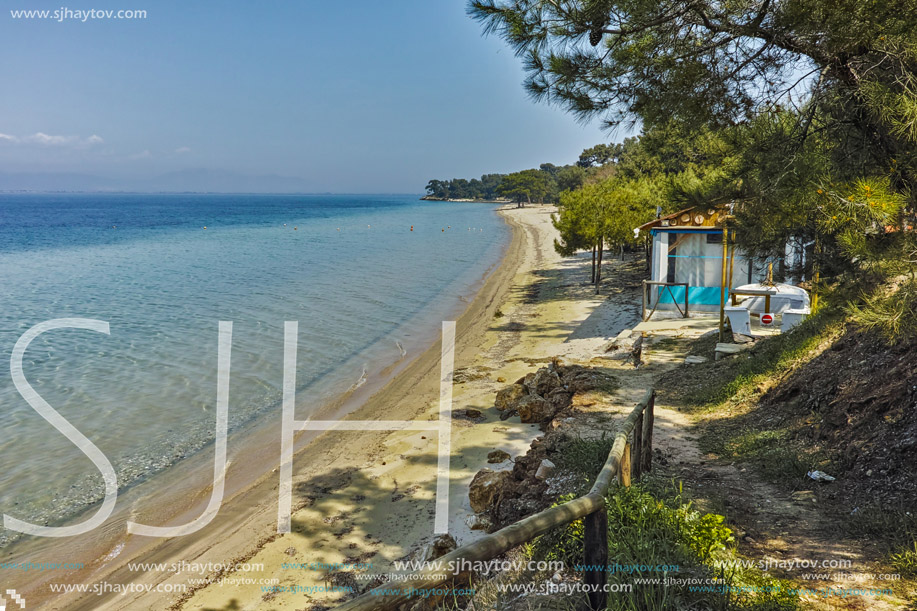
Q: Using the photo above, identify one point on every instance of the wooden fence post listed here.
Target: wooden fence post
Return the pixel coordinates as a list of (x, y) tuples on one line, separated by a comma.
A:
[(647, 448), (638, 448), (595, 556), (624, 475)]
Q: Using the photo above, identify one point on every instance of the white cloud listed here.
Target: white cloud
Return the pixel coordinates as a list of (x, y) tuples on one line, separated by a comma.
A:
[(43, 138), (182, 150)]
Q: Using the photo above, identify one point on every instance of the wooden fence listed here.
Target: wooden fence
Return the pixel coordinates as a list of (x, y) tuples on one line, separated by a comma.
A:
[(626, 460)]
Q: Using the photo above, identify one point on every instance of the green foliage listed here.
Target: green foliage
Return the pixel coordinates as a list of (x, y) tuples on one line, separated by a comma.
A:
[(605, 212), (459, 188), (585, 457), (527, 186), (905, 561), (600, 154), (893, 311), (663, 530), (802, 113)]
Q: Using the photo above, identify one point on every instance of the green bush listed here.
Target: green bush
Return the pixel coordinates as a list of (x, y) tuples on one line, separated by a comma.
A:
[(662, 529)]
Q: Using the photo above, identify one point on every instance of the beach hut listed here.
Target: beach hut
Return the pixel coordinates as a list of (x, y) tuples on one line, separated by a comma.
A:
[(686, 261)]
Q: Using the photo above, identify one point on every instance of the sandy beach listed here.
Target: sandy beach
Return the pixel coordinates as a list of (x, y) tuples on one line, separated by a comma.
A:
[(367, 498)]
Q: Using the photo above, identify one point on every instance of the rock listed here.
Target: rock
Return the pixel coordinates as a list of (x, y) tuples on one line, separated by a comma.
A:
[(479, 522), (473, 413), (469, 374), (545, 470), (695, 360), (501, 379), (440, 546), (542, 381), (497, 456), (507, 414), (486, 488), (581, 379), (508, 396), (560, 399), (533, 408)]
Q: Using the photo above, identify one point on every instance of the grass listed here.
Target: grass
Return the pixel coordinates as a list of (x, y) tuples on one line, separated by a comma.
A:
[(652, 525), (739, 376), (585, 457), (905, 561), (772, 453)]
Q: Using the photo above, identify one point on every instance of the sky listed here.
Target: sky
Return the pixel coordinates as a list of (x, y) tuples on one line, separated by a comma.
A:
[(353, 97)]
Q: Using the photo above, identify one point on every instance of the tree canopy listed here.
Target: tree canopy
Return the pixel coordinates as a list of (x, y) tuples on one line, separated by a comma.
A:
[(804, 112)]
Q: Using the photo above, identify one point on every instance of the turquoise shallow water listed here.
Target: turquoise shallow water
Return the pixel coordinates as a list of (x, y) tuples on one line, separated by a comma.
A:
[(362, 285)]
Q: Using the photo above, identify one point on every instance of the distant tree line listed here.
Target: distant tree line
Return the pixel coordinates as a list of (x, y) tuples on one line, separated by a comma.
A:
[(542, 185)]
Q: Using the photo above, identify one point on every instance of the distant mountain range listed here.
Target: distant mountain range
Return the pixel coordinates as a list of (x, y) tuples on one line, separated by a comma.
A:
[(184, 181)]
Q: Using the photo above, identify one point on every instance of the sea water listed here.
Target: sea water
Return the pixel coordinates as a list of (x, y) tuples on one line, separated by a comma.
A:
[(368, 278)]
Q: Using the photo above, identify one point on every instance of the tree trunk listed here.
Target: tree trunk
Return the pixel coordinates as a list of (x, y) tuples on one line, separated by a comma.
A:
[(592, 278), (598, 266)]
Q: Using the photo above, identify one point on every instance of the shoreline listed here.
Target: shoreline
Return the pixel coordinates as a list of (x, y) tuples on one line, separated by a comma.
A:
[(369, 496), (254, 499)]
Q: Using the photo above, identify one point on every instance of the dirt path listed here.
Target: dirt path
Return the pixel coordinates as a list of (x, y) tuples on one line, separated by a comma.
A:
[(770, 524)]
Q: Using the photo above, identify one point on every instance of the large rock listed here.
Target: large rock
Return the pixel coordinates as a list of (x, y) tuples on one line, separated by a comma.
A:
[(542, 381), (487, 488), (533, 408), (507, 397), (582, 379), (560, 399)]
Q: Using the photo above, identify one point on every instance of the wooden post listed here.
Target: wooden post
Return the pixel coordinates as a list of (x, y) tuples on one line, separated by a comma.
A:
[(595, 557), (643, 299), (647, 466), (638, 448), (723, 285), (624, 475), (686, 301)]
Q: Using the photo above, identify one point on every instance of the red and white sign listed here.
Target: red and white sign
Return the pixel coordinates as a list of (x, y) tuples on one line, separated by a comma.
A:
[(767, 319)]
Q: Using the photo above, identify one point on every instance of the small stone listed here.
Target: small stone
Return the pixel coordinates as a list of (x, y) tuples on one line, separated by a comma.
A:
[(497, 456), (440, 546), (545, 470), (479, 522), (501, 379), (473, 413)]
